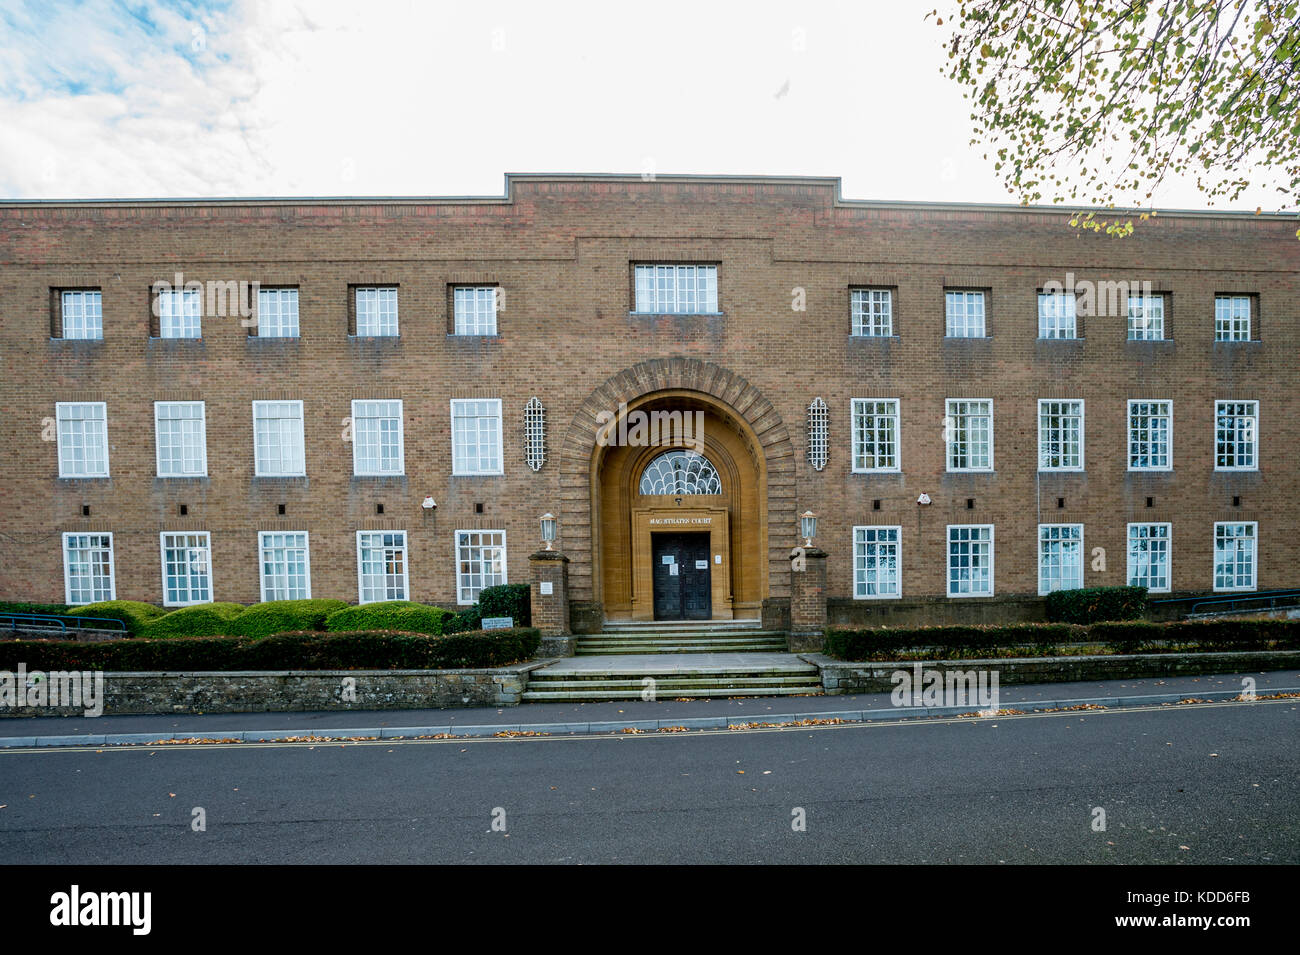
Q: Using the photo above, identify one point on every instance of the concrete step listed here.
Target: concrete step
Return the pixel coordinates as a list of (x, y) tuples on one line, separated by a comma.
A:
[(711, 679), (641, 626), (682, 641), (622, 677), (595, 696), (640, 649)]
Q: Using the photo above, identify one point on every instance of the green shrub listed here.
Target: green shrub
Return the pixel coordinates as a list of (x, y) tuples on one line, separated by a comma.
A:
[(278, 616), (1096, 604), (507, 600), (201, 620), (402, 615), (1240, 634), (1118, 636), (471, 618), (368, 650), (133, 613), (1124, 636), (883, 643), (14, 606)]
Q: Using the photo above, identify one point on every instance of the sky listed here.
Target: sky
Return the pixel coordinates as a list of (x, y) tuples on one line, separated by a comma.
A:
[(427, 98)]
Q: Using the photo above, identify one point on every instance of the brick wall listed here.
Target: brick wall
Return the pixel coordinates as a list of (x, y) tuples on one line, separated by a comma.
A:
[(561, 249)]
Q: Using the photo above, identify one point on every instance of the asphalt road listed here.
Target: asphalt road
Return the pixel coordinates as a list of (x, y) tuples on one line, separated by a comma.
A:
[(1178, 784)]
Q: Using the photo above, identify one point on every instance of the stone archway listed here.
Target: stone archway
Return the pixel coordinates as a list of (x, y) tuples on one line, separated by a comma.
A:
[(766, 440)]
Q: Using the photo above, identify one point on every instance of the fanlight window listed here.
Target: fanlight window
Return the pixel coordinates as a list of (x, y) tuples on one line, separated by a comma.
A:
[(680, 472)]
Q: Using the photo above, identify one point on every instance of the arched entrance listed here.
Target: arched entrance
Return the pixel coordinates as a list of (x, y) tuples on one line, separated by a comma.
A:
[(605, 517), (682, 527)]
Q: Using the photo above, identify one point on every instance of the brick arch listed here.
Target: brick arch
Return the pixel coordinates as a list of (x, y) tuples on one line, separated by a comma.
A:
[(740, 399)]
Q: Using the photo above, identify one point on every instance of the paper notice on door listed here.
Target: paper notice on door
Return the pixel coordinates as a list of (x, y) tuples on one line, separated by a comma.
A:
[(668, 559), (701, 565), (672, 570)]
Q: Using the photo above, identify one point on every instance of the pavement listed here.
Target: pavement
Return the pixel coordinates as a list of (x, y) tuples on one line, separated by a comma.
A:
[(581, 718)]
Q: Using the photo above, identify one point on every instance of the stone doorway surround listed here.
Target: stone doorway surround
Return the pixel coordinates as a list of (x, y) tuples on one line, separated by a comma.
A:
[(767, 449)]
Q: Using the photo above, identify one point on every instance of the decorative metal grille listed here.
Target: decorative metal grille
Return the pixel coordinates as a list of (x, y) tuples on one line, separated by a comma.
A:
[(680, 472), (818, 433), (535, 433)]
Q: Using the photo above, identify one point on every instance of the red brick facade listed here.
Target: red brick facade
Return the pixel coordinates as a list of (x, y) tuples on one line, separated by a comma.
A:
[(561, 249)]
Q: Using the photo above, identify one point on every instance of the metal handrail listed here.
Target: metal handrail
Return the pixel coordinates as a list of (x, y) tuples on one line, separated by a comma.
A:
[(1202, 598), (45, 619), (1233, 602)]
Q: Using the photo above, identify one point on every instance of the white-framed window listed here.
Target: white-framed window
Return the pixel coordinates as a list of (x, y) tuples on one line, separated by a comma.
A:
[(82, 315), (474, 310), (970, 560), (877, 562), (82, 434), (873, 312), (677, 289), (1057, 316), (1236, 435), (476, 436), (376, 312), (180, 313), (1232, 318), (818, 433), (377, 444), (1234, 555), (1060, 435), (278, 447), (88, 568), (875, 434), (1060, 557), (1150, 435), (381, 566), (186, 568), (285, 565), (968, 430), (535, 433), (180, 436), (1146, 318), (964, 314), (277, 313), (480, 562), (1149, 547)]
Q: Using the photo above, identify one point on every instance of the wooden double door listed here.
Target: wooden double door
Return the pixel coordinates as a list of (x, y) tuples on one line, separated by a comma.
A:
[(683, 583)]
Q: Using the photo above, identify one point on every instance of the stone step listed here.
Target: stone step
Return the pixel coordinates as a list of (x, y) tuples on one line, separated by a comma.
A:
[(683, 639), (637, 626), (574, 696), (599, 681), (644, 648)]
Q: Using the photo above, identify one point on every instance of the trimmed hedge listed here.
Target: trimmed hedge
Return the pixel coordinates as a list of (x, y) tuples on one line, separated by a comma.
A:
[(133, 613), (1242, 634), (201, 620), (867, 644), (507, 600), (471, 618), (368, 650), (280, 616), (403, 615), (1119, 637), (1096, 604)]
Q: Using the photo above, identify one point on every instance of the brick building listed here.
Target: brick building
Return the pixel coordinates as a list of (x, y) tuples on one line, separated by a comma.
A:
[(255, 399)]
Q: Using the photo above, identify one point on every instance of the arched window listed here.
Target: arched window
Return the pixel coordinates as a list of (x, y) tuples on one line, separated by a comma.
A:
[(818, 443), (535, 433), (680, 472)]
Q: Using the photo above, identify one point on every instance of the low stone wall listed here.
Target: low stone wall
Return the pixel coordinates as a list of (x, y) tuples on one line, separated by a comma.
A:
[(839, 676), (302, 690)]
